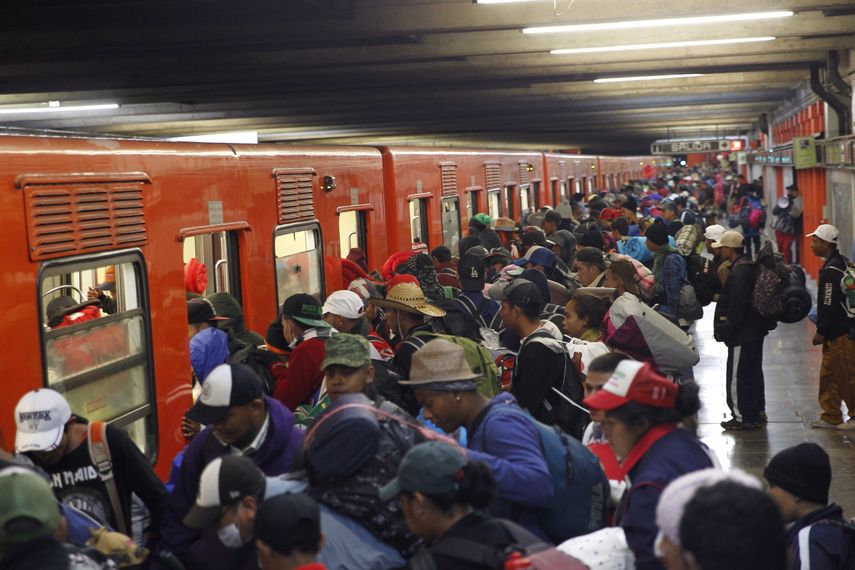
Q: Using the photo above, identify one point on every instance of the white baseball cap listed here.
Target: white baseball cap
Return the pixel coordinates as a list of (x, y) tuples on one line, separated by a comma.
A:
[(345, 304), (826, 232), (714, 232), (40, 417)]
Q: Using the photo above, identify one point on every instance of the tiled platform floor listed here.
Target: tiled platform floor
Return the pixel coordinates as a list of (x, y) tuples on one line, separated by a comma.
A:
[(791, 366)]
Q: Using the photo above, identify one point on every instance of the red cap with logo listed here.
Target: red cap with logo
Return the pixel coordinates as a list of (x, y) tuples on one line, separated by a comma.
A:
[(634, 381)]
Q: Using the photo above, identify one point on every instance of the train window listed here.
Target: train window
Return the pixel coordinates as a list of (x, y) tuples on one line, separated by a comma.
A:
[(535, 194), (472, 204), (96, 335), (509, 196), (419, 221), (577, 186), (563, 191), (219, 253), (556, 197), (450, 222), (299, 261), (352, 231), (494, 206), (525, 202), (591, 185)]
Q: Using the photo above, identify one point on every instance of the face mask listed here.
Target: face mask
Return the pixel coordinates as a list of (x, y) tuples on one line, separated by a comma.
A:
[(230, 536)]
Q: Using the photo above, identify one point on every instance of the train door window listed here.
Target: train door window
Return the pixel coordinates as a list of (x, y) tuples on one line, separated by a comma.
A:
[(577, 185), (219, 253), (298, 261), (563, 190), (353, 231), (509, 197), (553, 191), (419, 221), (450, 222), (591, 185), (494, 204), (471, 203), (525, 200), (535, 194), (99, 357)]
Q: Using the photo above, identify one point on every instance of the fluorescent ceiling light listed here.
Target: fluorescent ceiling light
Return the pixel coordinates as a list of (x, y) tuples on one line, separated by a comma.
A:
[(236, 137), (646, 77), (52, 107), (633, 24), (501, 1), (661, 45)]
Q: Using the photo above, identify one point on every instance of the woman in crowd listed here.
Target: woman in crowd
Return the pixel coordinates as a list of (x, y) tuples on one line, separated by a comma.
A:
[(585, 314), (639, 411)]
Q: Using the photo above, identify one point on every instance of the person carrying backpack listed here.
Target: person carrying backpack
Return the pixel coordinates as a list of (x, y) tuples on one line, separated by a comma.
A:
[(472, 278), (528, 459), (443, 496), (833, 331), (788, 212)]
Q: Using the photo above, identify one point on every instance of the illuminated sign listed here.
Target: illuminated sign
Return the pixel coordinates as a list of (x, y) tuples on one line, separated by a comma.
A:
[(707, 146)]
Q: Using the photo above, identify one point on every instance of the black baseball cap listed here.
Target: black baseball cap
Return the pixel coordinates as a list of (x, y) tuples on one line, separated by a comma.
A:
[(227, 386), (657, 233), (287, 520), (224, 481), (552, 216), (471, 272), (201, 310), (304, 309), (433, 468), (534, 237), (522, 293)]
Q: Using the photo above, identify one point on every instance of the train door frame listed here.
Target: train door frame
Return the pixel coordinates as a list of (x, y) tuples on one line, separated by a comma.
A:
[(509, 200), (360, 214), (229, 242), (135, 262), (449, 234), (494, 203), (423, 201), (281, 230), (554, 191), (472, 193)]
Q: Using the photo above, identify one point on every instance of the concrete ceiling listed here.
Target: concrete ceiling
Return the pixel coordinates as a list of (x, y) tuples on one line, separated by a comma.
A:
[(406, 71)]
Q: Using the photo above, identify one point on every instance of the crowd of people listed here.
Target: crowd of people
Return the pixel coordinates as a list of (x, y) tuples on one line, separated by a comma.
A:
[(524, 400)]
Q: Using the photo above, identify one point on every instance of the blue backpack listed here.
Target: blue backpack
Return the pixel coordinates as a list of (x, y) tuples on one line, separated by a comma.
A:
[(581, 489)]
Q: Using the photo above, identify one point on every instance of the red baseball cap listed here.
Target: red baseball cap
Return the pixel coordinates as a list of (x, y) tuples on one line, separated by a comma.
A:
[(634, 381), (402, 278), (610, 214)]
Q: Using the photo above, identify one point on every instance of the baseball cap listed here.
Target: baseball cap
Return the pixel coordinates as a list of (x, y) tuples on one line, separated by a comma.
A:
[(304, 309), (507, 274), (364, 288), (201, 310), (345, 349), (826, 232), (714, 232), (522, 293), (28, 508), (634, 381), (729, 239), (657, 233), (471, 271), (500, 252), (534, 237), (552, 216), (537, 255), (227, 386), (40, 419), (433, 468), (224, 481), (286, 520), (345, 304)]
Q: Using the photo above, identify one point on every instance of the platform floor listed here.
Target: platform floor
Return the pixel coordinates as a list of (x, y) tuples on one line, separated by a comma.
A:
[(791, 371)]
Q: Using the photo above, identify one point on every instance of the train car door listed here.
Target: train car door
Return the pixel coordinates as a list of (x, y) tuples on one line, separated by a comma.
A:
[(451, 222), (510, 190), (218, 252), (472, 201), (493, 177), (298, 260), (353, 231), (419, 228)]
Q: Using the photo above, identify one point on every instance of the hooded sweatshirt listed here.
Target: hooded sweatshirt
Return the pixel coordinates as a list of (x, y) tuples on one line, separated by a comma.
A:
[(274, 457), (227, 306), (208, 349)]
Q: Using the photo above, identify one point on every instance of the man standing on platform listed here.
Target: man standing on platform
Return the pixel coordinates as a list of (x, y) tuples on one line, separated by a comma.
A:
[(837, 372)]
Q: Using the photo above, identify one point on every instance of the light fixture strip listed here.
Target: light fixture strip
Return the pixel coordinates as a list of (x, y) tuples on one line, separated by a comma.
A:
[(635, 24), (647, 77), (661, 45), (56, 109), (502, 1)]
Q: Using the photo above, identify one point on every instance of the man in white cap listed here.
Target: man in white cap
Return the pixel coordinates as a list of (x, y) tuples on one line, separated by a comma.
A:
[(65, 447), (743, 331), (345, 312), (837, 372), (712, 234)]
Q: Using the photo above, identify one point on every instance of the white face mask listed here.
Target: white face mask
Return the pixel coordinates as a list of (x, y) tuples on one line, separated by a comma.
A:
[(230, 536)]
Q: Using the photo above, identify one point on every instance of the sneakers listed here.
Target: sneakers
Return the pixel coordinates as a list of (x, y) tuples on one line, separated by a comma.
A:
[(822, 424), (738, 425), (762, 418)]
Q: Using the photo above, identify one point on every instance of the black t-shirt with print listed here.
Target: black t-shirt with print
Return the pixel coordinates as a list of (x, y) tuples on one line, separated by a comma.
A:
[(76, 482)]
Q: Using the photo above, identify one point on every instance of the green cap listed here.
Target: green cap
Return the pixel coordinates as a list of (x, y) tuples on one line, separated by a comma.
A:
[(346, 350), (433, 468), (304, 309), (28, 508), (483, 218)]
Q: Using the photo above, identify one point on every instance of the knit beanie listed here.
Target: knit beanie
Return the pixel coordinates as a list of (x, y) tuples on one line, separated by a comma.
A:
[(803, 470), (657, 233)]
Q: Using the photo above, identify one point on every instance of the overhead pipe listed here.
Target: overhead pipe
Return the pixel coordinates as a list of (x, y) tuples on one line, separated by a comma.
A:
[(843, 116), (834, 75)]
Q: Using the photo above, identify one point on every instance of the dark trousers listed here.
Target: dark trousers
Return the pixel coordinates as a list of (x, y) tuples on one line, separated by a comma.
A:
[(752, 241), (746, 394)]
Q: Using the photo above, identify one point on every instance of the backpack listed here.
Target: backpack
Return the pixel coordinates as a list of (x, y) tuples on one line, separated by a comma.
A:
[(580, 488), (554, 313), (258, 360), (564, 402), (478, 357), (461, 318), (700, 273), (644, 278), (525, 552), (757, 216), (847, 285), (505, 362), (767, 297), (99, 453)]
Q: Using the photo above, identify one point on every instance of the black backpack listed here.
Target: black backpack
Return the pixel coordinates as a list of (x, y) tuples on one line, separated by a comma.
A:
[(462, 318), (702, 277), (259, 360)]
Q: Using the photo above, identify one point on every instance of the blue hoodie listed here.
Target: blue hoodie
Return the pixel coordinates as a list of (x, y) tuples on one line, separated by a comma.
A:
[(208, 349), (510, 445), (826, 536), (274, 457)]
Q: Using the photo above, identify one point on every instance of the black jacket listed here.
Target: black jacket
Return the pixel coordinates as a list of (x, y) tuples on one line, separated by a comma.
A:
[(736, 322), (831, 319)]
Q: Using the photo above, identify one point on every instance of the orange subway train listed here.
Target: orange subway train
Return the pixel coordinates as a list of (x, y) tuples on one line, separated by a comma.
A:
[(266, 221)]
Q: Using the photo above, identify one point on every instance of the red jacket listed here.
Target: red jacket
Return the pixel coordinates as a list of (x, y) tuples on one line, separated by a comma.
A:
[(297, 383)]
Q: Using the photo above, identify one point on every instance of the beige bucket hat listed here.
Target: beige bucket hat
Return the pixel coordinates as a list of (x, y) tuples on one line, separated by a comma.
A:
[(438, 361), (409, 297)]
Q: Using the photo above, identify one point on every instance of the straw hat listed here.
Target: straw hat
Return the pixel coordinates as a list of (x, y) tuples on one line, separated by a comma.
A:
[(409, 297), (439, 360)]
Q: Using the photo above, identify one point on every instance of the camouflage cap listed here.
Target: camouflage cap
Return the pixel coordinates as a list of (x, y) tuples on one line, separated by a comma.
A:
[(347, 350)]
